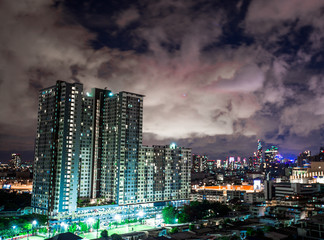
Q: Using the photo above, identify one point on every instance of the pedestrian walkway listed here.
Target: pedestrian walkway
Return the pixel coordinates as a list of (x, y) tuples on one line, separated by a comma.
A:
[(93, 235)]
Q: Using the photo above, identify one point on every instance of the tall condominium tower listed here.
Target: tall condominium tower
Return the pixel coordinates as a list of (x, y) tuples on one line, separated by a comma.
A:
[(89, 146), (57, 148), (121, 141)]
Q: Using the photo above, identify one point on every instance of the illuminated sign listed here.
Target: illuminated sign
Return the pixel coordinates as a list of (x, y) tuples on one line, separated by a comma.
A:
[(6, 186), (256, 184)]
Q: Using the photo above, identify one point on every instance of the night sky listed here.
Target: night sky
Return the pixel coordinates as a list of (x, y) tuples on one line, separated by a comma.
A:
[(217, 75)]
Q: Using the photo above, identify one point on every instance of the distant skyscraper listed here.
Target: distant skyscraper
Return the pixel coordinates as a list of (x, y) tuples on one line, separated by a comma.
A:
[(212, 165), (321, 154), (90, 147), (303, 158), (231, 162), (15, 160), (199, 163), (270, 157), (259, 153), (219, 163)]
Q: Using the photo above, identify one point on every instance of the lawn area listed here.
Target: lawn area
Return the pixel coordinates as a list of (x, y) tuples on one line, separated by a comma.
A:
[(120, 230), (93, 235), (33, 238)]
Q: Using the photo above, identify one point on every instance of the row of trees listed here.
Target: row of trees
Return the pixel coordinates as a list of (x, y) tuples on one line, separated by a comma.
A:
[(194, 211), (10, 226)]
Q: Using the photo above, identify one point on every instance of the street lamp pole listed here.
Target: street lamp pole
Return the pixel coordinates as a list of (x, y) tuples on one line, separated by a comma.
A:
[(34, 223), (98, 224), (14, 232)]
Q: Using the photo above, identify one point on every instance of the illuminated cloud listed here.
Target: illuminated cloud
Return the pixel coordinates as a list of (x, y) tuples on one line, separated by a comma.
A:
[(214, 75)]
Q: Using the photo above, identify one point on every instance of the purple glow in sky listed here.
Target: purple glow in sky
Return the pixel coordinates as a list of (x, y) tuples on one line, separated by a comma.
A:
[(217, 75)]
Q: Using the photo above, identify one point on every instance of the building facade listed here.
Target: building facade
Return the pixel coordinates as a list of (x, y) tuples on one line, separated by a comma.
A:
[(57, 149), (89, 147), (270, 164), (15, 160), (199, 163)]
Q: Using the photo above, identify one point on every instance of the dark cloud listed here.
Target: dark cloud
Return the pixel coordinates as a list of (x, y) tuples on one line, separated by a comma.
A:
[(217, 75)]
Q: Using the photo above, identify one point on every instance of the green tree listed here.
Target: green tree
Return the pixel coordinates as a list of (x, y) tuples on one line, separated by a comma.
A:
[(183, 216), (268, 228), (104, 233), (169, 214), (73, 228), (174, 230), (84, 227), (249, 231), (96, 225), (191, 227), (27, 226), (116, 237)]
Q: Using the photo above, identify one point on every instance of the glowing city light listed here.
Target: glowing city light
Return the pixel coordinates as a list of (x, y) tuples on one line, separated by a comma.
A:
[(64, 225), (141, 214), (117, 217), (173, 145), (90, 220)]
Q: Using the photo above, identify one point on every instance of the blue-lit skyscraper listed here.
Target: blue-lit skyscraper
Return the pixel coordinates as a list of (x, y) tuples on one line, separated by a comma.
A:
[(89, 149), (57, 149), (259, 153)]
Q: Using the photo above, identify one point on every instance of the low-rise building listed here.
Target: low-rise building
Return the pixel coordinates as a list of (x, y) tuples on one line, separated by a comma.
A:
[(312, 228)]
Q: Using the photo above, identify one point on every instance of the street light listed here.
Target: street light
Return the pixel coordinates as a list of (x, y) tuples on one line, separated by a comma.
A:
[(97, 226), (90, 221), (141, 214), (13, 228), (34, 224), (158, 219), (64, 226), (117, 217)]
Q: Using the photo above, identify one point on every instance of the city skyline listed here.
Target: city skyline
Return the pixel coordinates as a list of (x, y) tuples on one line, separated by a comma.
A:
[(217, 76)]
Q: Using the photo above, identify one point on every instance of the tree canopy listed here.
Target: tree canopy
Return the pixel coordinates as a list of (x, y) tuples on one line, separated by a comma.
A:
[(194, 211)]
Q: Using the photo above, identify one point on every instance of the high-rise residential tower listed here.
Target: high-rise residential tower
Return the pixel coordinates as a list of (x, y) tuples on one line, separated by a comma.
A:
[(121, 142), (57, 149), (89, 147)]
